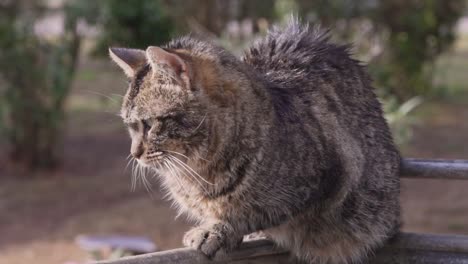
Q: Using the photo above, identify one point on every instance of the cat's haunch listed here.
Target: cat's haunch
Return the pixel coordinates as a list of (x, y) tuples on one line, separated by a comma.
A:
[(289, 140)]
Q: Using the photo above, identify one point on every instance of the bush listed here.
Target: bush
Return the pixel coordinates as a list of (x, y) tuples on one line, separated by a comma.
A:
[(400, 39), (36, 75), (136, 24), (399, 118), (418, 32)]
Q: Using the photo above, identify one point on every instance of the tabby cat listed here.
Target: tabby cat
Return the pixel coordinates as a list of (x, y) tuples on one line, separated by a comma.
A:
[(289, 140)]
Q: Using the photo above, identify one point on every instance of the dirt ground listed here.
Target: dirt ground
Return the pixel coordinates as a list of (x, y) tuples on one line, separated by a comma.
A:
[(90, 193)]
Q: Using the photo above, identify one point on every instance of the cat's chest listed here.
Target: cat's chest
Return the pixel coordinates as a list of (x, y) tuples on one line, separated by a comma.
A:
[(191, 201)]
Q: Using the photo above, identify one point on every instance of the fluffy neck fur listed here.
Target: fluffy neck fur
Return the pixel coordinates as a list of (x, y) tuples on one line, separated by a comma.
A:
[(237, 114)]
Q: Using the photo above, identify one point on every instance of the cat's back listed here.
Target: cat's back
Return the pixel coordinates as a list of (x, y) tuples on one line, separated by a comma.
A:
[(322, 94), (288, 56), (301, 65), (330, 95)]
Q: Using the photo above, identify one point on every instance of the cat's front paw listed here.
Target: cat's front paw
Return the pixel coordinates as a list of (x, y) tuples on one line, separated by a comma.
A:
[(212, 238)]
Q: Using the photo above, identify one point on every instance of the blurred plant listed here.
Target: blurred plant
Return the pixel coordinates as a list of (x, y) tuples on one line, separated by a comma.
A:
[(401, 38), (36, 75), (136, 24), (418, 32), (211, 17), (399, 118)]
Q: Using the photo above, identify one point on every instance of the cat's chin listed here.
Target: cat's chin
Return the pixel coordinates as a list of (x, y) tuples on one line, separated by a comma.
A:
[(149, 164)]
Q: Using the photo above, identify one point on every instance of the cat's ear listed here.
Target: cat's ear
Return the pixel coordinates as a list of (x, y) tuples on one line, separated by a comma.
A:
[(130, 60), (157, 56)]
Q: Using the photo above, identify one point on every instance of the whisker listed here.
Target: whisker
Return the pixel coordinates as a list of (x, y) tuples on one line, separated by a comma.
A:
[(173, 172), (175, 152), (128, 163), (139, 172), (132, 181), (134, 177), (155, 163), (144, 181), (200, 157), (143, 176), (101, 94), (192, 170), (119, 95), (178, 153), (199, 125), (190, 175)]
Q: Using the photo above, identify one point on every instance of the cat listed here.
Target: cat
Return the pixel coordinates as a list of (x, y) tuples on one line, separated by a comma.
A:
[(289, 140)]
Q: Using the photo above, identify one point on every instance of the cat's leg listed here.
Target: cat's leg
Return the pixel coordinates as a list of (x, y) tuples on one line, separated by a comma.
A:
[(211, 237)]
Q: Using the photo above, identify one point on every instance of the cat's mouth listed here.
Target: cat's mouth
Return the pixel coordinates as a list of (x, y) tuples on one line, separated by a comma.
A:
[(155, 155), (157, 159), (153, 159)]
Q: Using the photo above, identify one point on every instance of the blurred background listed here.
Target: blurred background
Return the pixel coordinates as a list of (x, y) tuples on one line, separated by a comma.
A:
[(63, 148)]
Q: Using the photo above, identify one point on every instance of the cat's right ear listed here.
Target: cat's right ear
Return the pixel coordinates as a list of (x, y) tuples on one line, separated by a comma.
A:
[(129, 60)]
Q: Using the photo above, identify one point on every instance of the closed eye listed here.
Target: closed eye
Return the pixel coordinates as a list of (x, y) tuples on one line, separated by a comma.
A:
[(146, 125), (133, 126), (173, 117), (163, 118)]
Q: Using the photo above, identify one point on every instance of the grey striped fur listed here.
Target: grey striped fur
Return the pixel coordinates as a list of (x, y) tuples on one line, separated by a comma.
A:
[(290, 141)]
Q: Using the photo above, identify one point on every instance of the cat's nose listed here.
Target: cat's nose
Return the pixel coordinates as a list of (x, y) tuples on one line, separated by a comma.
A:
[(137, 152)]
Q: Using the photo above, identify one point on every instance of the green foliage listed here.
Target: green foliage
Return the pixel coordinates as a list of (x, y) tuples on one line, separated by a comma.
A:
[(210, 17), (411, 35), (36, 75), (399, 118), (418, 31), (401, 40), (136, 24)]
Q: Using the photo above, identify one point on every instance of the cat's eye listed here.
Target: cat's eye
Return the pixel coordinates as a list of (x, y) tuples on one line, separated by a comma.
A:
[(163, 118), (133, 126), (146, 125), (173, 117)]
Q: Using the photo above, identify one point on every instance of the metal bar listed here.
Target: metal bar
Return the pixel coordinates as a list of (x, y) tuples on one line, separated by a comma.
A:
[(418, 257), (411, 248), (406, 248), (252, 251), (435, 169), (431, 242)]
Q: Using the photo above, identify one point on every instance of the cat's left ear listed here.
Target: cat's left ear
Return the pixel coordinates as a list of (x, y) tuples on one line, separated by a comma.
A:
[(129, 60), (157, 56)]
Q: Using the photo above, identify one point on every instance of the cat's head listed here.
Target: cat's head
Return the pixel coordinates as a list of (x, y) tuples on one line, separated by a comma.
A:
[(171, 100)]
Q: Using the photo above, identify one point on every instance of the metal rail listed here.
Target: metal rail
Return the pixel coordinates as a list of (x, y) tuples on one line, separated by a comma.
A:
[(435, 169), (405, 249)]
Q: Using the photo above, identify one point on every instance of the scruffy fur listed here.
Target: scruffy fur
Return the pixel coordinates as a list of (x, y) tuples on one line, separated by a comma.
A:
[(289, 140)]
